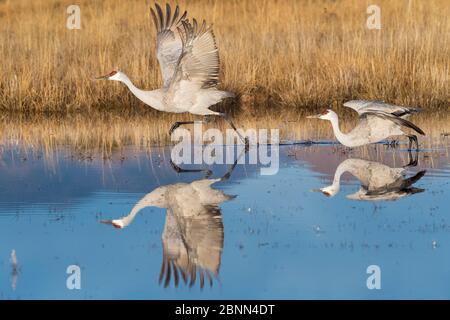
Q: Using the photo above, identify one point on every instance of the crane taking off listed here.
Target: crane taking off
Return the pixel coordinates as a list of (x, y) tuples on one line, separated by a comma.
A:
[(377, 121), (189, 61)]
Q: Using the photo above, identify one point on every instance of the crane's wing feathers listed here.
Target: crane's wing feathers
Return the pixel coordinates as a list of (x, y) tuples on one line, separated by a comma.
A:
[(394, 113), (401, 184), (365, 106), (199, 62), (169, 45), (397, 120), (202, 239)]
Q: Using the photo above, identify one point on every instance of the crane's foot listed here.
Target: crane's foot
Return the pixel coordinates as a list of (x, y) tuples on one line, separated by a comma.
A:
[(178, 169), (392, 144), (413, 160), (226, 176)]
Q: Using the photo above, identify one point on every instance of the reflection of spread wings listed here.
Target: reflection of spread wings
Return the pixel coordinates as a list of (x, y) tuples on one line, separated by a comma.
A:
[(193, 234), (192, 245), (401, 185)]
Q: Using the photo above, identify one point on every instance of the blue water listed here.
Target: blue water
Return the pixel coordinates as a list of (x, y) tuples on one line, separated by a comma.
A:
[(281, 239)]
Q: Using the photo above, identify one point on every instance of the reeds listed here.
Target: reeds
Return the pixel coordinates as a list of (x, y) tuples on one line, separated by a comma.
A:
[(279, 56)]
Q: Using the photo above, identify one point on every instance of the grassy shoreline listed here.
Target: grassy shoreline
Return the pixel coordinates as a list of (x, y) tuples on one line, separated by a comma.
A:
[(283, 56), (108, 131)]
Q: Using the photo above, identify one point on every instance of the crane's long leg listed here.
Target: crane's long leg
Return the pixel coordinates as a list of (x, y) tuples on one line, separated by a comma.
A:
[(208, 172), (228, 119), (413, 160), (413, 139), (227, 175), (177, 124)]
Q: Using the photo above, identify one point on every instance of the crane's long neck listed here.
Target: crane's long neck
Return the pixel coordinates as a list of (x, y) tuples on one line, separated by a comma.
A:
[(138, 207), (156, 198), (151, 98), (340, 136), (340, 170)]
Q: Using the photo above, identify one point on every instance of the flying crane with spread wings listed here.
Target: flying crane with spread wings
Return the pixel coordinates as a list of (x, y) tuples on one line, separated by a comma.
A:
[(189, 59)]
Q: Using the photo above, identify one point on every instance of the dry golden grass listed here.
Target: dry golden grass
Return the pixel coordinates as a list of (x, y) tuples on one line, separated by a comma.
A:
[(284, 55)]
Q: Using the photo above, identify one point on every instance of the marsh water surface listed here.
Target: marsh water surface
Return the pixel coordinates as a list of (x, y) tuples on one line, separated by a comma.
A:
[(309, 231)]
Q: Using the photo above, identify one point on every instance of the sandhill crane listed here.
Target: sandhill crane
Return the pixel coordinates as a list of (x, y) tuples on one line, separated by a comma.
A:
[(378, 121), (189, 60), (193, 232), (378, 181)]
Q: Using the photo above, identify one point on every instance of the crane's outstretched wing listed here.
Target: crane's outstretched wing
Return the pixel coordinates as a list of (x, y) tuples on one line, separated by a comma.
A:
[(397, 120), (169, 45), (365, 106), (199, 63), (396, 114)]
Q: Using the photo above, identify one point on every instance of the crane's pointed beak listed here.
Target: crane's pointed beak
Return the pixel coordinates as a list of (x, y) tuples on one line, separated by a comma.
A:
[(105, 77), (316, 116), (111, 222), (325, 193)]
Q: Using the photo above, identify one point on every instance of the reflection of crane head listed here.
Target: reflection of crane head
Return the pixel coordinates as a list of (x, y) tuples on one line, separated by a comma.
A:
[(117, 223), (329, 191)]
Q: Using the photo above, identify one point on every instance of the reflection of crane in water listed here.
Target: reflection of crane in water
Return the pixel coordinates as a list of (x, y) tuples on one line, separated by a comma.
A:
[(378, 181), (378, 121), (193, 233)]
